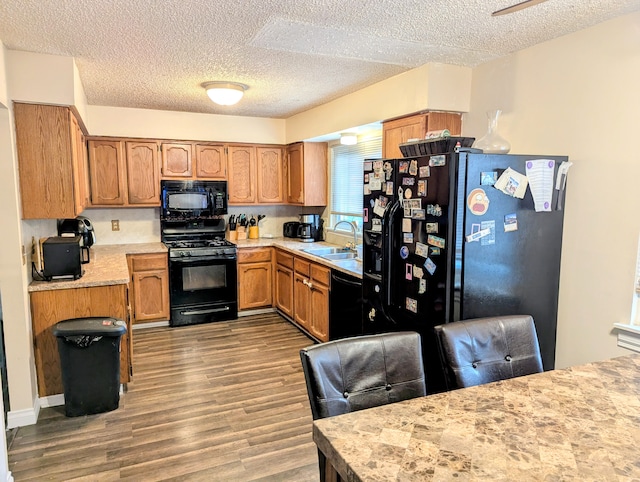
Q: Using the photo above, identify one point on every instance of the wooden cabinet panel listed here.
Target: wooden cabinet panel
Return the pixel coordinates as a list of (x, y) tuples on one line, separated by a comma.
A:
[(50, 169), (306, 172), (319, 297), (151, 295), (398, 131), (177, 160), (211, 161), (253, 255), (270, 175), (241, 175), (301, 301), (254, 285), (150, 287), (79, 159), (284, 290), (107, 172), (295, 174), (50, 307), (285, 259), (143, 181)]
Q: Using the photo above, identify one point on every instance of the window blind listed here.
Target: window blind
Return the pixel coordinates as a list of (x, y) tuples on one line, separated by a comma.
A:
[(347, 178)]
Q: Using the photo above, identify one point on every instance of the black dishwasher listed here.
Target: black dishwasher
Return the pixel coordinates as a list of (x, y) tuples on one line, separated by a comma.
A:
[(345, 306)]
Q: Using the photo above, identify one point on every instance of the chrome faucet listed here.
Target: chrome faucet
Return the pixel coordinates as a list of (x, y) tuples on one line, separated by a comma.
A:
[(354, 229)]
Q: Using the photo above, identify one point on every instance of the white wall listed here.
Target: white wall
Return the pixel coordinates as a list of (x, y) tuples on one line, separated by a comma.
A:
[(430, 87), (578, 95)]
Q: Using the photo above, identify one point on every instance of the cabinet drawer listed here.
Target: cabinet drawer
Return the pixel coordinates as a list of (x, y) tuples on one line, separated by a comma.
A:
[(254, 255), (301, 266), (320, 274), (146, 262), (284, 259)]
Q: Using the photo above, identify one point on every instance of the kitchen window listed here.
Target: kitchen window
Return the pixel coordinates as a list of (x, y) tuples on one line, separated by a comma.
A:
[(347, 180), (629, 333)]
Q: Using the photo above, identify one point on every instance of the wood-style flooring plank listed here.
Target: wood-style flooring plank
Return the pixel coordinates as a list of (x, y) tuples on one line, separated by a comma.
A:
[(214, 402)]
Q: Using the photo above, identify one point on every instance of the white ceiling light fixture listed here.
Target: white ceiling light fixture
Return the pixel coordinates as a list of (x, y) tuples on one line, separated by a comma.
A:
[(348, 138), (225, 93)]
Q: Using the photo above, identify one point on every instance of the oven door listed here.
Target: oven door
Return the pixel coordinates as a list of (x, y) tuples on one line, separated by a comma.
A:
[(202, 289)]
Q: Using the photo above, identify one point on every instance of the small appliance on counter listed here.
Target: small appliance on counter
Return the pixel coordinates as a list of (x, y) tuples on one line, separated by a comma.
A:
[(290, 229), (310, 228), (63, 257), (79, 226)]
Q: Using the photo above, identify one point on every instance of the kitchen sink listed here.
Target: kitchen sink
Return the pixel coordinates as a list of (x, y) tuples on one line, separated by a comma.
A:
[(343, 255), (332, 254), (325, 251)]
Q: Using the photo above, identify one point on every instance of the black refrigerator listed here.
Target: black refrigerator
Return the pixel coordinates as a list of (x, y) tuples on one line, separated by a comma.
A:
[(457, 235)]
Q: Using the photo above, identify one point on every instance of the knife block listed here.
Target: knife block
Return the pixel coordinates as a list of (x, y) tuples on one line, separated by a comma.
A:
[(241, 232)]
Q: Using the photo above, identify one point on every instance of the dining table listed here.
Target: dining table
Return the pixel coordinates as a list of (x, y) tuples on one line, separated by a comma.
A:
[(580, 423)]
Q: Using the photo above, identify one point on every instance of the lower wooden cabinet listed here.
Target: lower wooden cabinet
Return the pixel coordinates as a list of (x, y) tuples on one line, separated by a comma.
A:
[(255, 271), (51, 306), (149, 286), (283, 286), (305, 286)]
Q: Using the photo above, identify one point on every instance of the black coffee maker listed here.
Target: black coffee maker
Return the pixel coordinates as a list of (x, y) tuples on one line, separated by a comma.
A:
[(310, 228), (79, 226)]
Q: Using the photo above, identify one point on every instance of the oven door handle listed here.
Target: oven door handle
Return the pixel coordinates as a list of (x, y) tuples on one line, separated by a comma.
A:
[(202, 259)]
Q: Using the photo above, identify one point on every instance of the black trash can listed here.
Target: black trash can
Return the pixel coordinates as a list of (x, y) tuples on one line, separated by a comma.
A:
[(90, 363)]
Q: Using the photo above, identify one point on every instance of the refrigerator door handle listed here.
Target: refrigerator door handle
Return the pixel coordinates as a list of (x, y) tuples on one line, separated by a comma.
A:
[(387, 268)]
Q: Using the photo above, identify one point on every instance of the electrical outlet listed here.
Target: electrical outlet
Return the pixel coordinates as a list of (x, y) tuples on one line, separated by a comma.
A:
[(115, 225)]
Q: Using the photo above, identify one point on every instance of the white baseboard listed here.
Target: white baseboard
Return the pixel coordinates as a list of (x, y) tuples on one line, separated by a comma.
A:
[(52, 401), (153, 324), (261, 311), (21, 418)]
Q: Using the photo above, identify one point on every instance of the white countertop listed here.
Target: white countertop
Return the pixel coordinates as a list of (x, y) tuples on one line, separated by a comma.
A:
[(349, 266)]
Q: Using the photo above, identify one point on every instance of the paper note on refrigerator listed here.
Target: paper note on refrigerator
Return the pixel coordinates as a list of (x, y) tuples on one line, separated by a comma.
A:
[(512, 183), (540, 174)]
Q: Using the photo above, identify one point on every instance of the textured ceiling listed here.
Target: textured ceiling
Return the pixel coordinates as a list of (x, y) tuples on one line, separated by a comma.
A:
[(293, 54)]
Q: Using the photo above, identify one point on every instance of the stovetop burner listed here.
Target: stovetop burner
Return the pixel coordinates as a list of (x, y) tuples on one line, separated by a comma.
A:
[(203, 243)]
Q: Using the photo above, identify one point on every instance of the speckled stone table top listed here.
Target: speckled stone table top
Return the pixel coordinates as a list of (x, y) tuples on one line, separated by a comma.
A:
[(107, 266), (575, 424), (297, 247)]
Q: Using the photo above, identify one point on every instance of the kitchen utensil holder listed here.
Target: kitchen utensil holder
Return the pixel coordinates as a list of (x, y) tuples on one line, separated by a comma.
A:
[(254, 232)]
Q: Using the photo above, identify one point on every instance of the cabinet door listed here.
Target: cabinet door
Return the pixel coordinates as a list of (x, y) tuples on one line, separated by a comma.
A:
[(295, 174), (254, 285), (398, 131), (143, 177), (177, 160), (151, 295), (319, 326), (301, 301), (43, 142), (241, 175), (107, 173), (149, 286), (284, 290), (270, 175), (79, 159), (211, 161)]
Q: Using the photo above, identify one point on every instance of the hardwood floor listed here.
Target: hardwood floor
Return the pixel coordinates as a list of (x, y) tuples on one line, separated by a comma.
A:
[(219, 401)]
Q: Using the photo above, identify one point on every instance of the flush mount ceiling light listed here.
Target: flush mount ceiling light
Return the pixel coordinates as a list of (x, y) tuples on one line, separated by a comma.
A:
[(225, 93), (348, 139)]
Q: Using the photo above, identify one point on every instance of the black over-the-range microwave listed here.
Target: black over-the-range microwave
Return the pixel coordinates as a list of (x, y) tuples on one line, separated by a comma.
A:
[(193, 199)]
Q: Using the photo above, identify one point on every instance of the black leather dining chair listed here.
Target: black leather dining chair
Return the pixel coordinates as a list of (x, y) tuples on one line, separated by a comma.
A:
[(483, 350), (362, 372)]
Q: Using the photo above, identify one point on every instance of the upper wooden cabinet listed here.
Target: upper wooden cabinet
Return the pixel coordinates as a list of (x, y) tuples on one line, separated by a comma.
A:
[(398, 131), (211, 161), (52, 161), (306, 173), (270, 175), (177, 159), (241, 174), (143, 180), (124, 173)]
